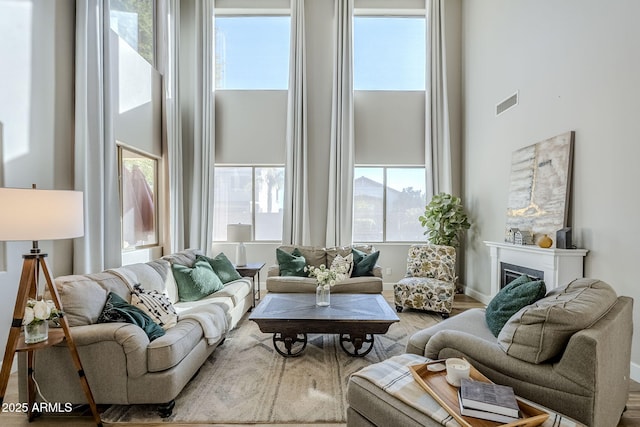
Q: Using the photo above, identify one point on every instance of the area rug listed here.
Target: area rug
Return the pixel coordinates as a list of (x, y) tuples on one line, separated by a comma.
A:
[(245, 381)]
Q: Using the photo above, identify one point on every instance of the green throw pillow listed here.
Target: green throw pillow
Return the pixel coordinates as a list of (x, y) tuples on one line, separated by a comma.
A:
[(512, 298), (223, 268), (197, 282), (291, 264), (117, 309), (363, 263)]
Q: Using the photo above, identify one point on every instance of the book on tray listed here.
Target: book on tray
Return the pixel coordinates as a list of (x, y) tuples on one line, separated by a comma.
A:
[(485, 415), (488, 397)]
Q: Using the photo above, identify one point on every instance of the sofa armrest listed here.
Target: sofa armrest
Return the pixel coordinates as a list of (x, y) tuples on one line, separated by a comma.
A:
[(377, 271), (273, 271), (131, 338)]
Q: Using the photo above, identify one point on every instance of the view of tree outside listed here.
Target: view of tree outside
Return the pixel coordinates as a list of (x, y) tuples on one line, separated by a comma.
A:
[(133, 21), (240, 189), (387, 204)]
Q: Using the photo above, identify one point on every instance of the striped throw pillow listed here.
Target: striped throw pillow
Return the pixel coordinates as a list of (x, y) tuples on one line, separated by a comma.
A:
[(156, 305)]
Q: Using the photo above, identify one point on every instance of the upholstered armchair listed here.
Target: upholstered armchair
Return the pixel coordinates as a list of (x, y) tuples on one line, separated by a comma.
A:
[(430, 281)]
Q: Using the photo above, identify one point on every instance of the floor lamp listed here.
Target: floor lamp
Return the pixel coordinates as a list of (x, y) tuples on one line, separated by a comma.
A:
[(33, 215), (239, 233)]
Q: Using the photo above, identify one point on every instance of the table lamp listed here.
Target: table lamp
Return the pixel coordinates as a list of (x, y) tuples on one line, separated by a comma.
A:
[(33, 215), (239, 233)]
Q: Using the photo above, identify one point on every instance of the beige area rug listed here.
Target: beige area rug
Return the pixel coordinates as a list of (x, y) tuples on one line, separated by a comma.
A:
[(246, 381)]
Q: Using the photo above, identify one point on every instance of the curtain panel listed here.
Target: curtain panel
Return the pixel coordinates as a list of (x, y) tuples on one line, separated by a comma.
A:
[(341, 161), (95, 152), (296, 223)]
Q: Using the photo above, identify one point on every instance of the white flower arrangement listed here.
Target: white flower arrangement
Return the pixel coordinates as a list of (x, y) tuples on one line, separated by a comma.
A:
[(327, 276), (38, 311)]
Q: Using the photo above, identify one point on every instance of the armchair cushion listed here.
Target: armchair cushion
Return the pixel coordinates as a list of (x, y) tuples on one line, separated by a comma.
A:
[(432, 261), (542, 330), (517, 294)]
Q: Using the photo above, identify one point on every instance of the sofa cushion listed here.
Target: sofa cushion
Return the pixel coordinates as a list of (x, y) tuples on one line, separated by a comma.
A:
[(313, 255), (541, 331), (291, 264), (169, 350), (117, 310), (364, 263), (197, 282), (82, 299), (517, 294), (344, 262), (223, 268), (156, 305), (186, 257)]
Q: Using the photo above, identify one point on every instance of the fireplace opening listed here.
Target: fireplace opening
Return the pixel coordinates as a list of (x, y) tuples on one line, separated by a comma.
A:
[(510, 272)]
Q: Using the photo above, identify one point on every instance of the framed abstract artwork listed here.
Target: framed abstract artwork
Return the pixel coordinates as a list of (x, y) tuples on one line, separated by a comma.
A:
[(539, 187)]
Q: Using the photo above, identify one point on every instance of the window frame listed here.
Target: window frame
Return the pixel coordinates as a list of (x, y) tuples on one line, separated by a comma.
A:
[(156, 196), (253, 167), (385, 169)]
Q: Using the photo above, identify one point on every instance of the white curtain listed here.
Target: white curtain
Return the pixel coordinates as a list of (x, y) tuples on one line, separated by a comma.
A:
[(169, 35), (96, 170), (200, 194), (341, 161), (438, 142), (296, 225)]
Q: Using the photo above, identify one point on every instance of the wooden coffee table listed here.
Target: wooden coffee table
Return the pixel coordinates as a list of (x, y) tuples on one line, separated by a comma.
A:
[(356, 317)]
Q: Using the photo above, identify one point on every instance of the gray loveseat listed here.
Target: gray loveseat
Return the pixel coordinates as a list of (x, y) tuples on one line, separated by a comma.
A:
[(587, 379), (122, 366), (316, 256)]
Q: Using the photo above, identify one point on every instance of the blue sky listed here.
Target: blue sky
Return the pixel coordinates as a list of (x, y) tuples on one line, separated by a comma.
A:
[(389, 53)]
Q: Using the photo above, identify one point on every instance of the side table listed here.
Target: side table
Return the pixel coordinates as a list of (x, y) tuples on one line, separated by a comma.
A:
[(252, 270)]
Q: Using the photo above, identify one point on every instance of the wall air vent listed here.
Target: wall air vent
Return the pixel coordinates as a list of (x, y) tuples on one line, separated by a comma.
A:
[(508, 103)]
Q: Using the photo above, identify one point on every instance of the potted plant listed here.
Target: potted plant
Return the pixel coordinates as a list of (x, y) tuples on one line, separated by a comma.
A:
[(445, 219)]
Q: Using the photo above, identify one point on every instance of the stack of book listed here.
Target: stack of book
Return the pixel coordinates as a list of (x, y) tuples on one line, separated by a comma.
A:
[(488, 401)]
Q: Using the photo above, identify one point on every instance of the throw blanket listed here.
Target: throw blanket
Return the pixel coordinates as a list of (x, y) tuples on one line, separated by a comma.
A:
[(212, 319), (394, 377)]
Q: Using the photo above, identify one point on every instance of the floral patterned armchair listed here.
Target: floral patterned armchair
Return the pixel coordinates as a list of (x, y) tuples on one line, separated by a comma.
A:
[(430, 281)]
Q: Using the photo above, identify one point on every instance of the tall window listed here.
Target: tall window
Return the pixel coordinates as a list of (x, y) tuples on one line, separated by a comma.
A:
[(249, 195), (133, 21), (252, 52), (389, 53), (139, 195), (387, 204)]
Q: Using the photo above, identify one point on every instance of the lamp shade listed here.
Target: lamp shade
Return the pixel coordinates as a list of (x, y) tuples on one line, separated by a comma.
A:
[(239, 232), (29, 214)]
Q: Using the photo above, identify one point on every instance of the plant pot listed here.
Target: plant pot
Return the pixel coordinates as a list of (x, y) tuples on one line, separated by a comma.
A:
[(323, 295), (36, 332)]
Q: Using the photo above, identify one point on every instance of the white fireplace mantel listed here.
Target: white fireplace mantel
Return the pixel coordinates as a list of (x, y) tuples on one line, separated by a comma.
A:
[(560, 266)]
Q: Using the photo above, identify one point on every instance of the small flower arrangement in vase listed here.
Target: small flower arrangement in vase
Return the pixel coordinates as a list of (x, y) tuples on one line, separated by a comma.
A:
[(36, 318), (326, 278)]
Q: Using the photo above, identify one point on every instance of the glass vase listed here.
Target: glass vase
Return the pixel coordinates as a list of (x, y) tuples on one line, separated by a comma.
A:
[(36, 332), (323, 295)]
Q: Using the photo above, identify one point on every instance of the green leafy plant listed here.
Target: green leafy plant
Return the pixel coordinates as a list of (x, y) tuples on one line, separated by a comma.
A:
[(445, 218)]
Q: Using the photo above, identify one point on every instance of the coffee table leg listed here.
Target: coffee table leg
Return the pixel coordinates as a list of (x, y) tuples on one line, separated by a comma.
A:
[(291, 342), (356, 344)]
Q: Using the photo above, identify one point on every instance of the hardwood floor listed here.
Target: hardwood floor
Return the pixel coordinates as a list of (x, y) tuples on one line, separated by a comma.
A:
[(82, 417)]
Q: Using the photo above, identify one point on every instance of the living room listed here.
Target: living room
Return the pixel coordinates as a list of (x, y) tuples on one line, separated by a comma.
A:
[(573, 64)]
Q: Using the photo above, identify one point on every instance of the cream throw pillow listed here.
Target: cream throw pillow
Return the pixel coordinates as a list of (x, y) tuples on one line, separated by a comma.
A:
[(347, 261)]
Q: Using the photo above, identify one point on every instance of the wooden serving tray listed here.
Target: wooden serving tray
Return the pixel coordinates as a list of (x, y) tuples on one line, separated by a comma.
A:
[(446, 395)]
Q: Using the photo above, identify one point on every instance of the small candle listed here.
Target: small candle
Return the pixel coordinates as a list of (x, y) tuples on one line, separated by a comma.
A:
[(457, 369)]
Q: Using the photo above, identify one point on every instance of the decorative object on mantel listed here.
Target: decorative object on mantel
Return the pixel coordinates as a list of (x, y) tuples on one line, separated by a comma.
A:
[(545, 241), (540, 186), (563, 239)]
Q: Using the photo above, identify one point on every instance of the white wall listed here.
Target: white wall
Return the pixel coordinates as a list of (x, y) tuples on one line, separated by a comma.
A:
[(576, 66), (36, 112)]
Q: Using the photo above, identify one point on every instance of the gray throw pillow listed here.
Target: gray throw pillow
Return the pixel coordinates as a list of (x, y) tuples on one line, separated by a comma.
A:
[(517, 294), (541, 331)]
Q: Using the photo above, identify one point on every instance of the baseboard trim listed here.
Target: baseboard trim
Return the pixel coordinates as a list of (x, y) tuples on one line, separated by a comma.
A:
[(485, 299)]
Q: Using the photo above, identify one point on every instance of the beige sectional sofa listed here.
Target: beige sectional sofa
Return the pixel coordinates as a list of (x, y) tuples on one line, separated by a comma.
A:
[(316, 256), (122, 366)]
